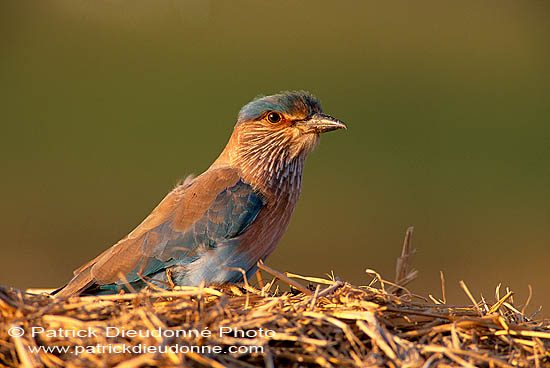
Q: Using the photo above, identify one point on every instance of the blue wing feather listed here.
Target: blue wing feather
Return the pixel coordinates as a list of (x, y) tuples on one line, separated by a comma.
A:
[(233, 210), (194, 231)]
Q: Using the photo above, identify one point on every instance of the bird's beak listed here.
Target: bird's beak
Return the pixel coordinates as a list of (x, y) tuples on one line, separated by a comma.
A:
[(321, 123)]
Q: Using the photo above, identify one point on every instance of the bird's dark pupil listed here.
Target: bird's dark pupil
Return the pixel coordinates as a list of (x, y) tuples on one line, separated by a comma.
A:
[(274, 118)]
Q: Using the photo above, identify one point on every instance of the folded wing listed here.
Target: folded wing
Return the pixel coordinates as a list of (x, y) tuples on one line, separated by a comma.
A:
[(202, 214)]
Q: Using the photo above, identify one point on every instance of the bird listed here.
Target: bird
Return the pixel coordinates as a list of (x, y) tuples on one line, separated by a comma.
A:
[(213, 229)]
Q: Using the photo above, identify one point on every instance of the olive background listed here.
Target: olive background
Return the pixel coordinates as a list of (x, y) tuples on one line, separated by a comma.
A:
[(105, 105)]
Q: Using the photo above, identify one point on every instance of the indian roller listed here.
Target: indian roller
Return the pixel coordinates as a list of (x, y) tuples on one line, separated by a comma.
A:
[(208, 229)]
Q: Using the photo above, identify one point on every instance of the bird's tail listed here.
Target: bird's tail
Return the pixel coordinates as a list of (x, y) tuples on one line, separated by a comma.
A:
[(79, 283)]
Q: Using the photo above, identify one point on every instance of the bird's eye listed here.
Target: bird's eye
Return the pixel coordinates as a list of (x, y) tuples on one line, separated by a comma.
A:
[(274, 117)]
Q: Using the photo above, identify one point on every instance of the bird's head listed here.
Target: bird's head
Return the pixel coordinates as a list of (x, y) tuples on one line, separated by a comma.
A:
[(275, 132)]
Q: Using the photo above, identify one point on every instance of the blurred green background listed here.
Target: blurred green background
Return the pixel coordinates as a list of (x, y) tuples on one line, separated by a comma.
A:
[(105, 105)]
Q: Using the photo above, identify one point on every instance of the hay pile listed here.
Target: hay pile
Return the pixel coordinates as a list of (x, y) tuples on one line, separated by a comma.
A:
[(338, 325), (328, 324)]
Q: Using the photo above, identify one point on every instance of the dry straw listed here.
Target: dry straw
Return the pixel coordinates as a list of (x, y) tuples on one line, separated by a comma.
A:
[(328, 324)]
